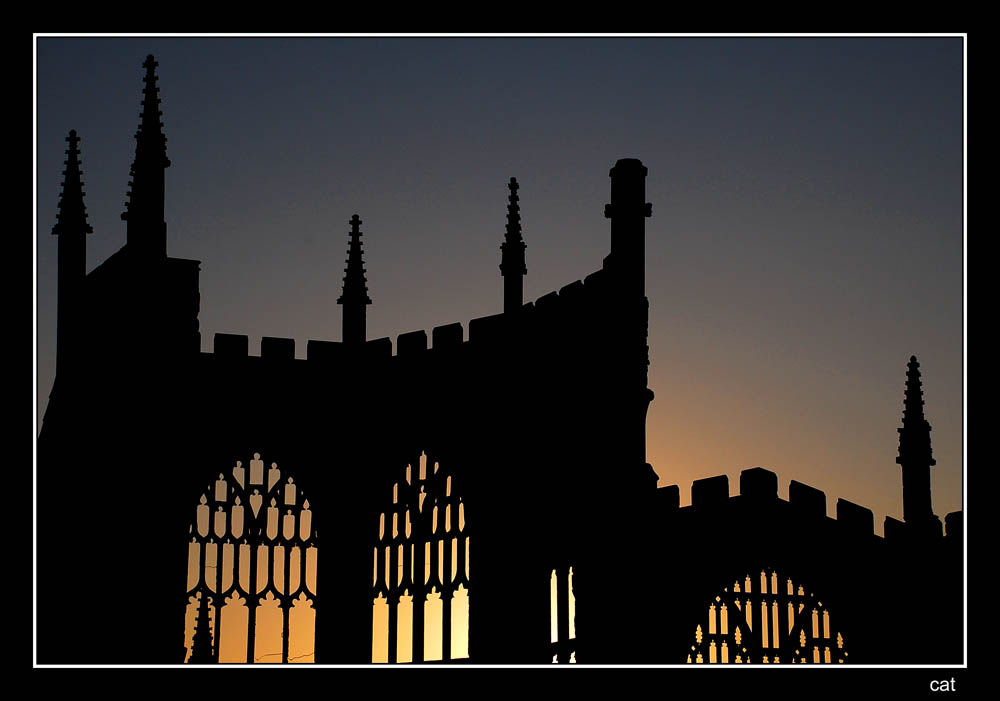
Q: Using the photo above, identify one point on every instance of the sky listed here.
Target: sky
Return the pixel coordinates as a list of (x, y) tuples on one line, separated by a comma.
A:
[(807, 234)]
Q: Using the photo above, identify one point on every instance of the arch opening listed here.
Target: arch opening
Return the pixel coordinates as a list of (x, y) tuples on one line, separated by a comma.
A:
[(420, 577), (251, 571), (767, 619)]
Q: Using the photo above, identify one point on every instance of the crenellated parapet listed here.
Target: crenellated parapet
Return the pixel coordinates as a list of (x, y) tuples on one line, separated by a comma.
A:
[(758, 493), (571, 301), (758, 489), (739, 547), (326, 353)]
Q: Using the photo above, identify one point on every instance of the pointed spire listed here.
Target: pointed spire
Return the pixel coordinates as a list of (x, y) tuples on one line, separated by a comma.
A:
[(72, 228), (144, 203), (915, 455), (72, 217), (355, 296), (915, 434), (512, 266), (201, 642)]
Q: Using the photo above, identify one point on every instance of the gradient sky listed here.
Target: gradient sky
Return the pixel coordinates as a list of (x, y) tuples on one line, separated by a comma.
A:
[(807, 231)]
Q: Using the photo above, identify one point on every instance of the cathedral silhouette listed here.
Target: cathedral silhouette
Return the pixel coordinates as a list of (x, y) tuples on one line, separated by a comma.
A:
[(319, 505)]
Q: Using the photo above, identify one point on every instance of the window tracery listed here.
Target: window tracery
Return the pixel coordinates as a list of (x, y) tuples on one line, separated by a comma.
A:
[(251, 586), (420, 578), (770, 620)]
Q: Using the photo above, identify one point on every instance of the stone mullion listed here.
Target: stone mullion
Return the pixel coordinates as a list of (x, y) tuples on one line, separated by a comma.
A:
[(734, 620), (459, 557), (419, 537), (285, 606), (419, 601), (729, 600), (406, 587), (303, 582), (406, 583), (393, 598), (446, 595), (797, 628), (202, 565), (746, 640), (286, 598), (380, 561), (202, 583), (756, 642), (782, 598), (237, 586), (252, 599), (380, 578), (217, 628), (432, 538), (269, 569), (447, 587), (449, 583), (310, 595)]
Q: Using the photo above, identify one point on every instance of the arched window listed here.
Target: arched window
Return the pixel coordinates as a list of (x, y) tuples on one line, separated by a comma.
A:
[(766, 619), (251, 580), (420, 579)]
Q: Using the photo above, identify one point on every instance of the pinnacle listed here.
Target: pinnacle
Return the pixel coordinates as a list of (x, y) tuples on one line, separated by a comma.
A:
[(512, 248), (513, 213), (355, 283), (150, 146), (914, 435), (72, 216)]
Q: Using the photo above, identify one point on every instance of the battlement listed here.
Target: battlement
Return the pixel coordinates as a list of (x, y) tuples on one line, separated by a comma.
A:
[(228, 345), (759, 487), (482, 330)]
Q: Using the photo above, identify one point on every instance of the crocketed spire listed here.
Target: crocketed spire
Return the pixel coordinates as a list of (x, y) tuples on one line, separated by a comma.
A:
[(72, 229), (512, 266), (915, 434), (915, 455), (144, 202), (355, 296), (201, 643), (72, 216)]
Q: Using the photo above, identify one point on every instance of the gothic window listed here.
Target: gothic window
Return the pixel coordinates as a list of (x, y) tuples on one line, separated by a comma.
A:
[(420, 579), (251, 584), (766, 619)]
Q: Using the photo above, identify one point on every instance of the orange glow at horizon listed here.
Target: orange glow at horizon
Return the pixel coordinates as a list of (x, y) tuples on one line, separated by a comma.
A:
[(703, 423)]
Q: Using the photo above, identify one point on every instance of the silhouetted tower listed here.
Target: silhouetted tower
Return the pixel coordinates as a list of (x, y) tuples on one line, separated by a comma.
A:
[(626, 264), (915, 451), (72, 229), (201, 642), (628, 212), (512, 266), (355, 298), (146, 228)]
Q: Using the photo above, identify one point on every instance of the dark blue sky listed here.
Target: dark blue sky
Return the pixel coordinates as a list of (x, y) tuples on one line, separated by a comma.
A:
[(806, 238)]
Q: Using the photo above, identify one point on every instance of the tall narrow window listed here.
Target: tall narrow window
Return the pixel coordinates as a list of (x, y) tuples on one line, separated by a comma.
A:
[(562, 615), (420, 610)]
